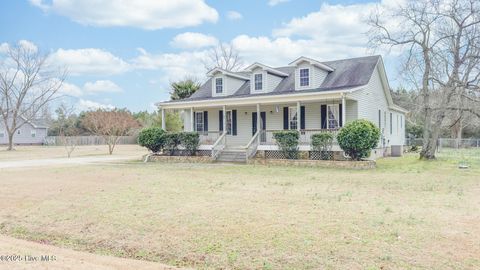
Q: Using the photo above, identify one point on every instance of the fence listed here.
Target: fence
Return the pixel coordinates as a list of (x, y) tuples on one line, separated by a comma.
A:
[(88, 140)]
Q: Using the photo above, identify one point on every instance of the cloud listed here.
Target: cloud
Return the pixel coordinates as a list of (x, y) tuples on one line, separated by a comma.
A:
[(70, 90), (276, 2), (145, 14), (234, 15), (25, 44), (88, 61), (88, 105), (190, 40), (102, 86)]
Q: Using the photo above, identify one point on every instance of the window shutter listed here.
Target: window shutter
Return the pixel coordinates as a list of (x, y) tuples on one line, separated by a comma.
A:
[(285, 118), (254, 123), (302, 117), (340, 114), (220, 120), (234, 122), (205, 121), (194, 121), (323, 116)]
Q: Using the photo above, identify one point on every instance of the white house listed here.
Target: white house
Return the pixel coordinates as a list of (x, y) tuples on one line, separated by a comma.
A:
[(307, 95), (30, 133)]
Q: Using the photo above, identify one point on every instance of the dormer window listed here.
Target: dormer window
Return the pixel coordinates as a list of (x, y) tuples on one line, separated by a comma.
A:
[(304, 77), (218, 85), (258, 82)]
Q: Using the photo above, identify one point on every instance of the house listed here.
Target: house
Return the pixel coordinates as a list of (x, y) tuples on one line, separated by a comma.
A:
[(32, 132), (307, 95)]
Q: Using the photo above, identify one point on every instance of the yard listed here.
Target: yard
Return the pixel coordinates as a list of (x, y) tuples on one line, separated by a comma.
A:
[(404, 214)]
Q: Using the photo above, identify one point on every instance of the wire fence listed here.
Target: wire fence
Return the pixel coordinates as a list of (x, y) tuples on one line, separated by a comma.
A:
[(87, 140)]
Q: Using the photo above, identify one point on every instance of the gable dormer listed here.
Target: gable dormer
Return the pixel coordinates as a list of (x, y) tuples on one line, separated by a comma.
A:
[(225, 83), (309, 73), (263, 79)]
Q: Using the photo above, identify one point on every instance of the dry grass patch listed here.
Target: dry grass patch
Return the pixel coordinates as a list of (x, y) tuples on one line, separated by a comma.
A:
[(405, 214)]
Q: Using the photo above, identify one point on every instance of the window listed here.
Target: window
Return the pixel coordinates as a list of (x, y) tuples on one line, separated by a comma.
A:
[(19, 132), (218, 85), (391, 125), (304, 77), (2, 134), (380, 119), (398, 123), (292, 118), (332, 116), (401, 121), (33, 133), (228, 116), (384, 120), (199, 121), (258, 82)]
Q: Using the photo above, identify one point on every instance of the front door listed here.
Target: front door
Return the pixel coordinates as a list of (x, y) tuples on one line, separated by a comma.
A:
[(263, 124)]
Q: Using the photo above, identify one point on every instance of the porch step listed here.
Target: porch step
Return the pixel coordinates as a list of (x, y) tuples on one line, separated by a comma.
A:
[(228, 155)]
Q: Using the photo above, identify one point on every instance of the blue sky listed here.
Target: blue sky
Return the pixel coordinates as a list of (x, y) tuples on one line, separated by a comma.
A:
[(125, 56)]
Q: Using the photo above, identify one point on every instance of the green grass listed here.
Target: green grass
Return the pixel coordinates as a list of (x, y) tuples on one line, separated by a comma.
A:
[(406, 214)]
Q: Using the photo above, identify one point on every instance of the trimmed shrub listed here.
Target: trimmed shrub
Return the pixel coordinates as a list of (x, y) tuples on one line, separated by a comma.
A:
[(191, 141), (172, 141), (358, 138), (153, 138), (322, 143), (287, 141)]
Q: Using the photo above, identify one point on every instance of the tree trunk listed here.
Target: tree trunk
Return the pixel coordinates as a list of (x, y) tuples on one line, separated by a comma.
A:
[(10, 141)]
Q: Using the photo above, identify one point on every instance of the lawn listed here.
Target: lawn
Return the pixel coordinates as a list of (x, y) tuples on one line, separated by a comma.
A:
[(404, 214)]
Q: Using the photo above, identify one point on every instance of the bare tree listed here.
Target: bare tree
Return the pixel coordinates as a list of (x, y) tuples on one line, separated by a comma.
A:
[(110, 124), (223, 56), (27, 85), (68, 131), (441, 41)]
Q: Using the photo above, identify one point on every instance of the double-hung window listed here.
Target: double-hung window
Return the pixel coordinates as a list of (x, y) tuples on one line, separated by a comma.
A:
[(218, 85), (333, 114), (33, 133), (292, 118), (199, 121), (304, 77), (258, 79), (2, 134), (228, 123), (391, 124)]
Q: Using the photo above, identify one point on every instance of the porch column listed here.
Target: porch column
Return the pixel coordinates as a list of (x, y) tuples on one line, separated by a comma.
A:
[(192, 127), (299, 120), (224, 118), (343, 110), (258, 118), (163, 119)]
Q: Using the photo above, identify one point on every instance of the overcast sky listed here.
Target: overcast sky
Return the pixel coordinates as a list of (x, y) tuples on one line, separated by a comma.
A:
[(125, 53)]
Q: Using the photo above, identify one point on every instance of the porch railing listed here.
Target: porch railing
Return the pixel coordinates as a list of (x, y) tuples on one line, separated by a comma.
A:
[(218, 146), (305, 136), (251, 148), (209, 137)]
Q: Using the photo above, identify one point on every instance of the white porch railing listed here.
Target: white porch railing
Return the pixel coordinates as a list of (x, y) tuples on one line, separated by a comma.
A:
[(209, 137), (305, 136), (218, 146), (251, 148)]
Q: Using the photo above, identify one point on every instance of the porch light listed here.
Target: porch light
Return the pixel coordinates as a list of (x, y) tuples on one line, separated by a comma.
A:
[(277, 109)]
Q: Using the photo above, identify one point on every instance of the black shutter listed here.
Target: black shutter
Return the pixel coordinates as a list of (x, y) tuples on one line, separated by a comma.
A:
[(220, 120), (205, 121), (194, 121), (323, 116), (340, 113), (254, 123), (263, 116), (285, 118), (302, 117), (234, 122)]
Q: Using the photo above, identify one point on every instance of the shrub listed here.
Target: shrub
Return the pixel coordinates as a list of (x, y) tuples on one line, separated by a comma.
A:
[(288, 142), (358, 138), (152, 138), (191, 141), (322, 143), (172, 141)]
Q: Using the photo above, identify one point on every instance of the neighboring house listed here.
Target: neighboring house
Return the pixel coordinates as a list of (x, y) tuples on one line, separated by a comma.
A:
[(32, 132), (307, 95)]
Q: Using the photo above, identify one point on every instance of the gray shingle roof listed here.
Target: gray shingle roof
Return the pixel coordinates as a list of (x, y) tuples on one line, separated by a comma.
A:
[(348, 73)]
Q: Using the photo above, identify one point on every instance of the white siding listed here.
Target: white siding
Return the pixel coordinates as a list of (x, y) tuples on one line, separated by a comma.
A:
[(230, 85), (351, 110), (270, 81), (273, 81), (25, 136)]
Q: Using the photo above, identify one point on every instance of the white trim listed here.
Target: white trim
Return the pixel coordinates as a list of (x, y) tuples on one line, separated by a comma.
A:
[(212, 73), (254, 99), (311, 62), (261, 82), (265, 68), (300, 86)]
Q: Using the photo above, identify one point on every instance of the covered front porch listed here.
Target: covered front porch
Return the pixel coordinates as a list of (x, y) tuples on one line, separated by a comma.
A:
[(251, 126)]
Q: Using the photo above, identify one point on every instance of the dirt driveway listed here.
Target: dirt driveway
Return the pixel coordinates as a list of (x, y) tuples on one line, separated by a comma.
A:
[(65, 258)]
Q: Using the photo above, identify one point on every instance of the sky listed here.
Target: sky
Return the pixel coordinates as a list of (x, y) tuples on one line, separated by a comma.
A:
[(125, 53)]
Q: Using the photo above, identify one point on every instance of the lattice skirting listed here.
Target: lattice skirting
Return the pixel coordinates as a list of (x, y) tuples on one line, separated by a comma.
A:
[(318, 155), (187, 153)]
